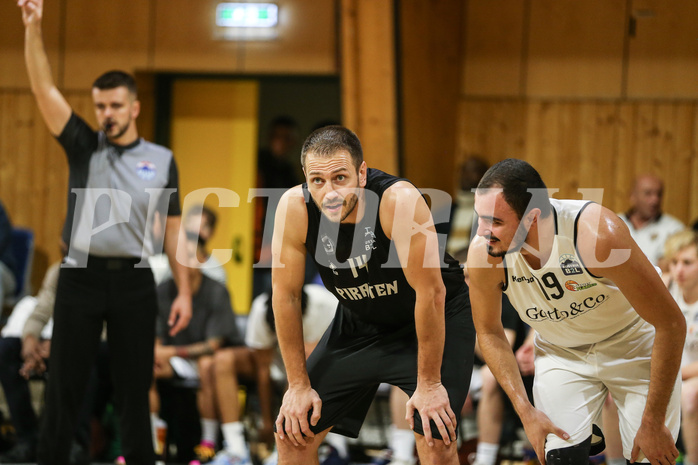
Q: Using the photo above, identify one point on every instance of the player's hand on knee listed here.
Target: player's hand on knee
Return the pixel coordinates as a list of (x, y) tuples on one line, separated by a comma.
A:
[(292, 422), (431, 401), (656, 442), (537, 426)]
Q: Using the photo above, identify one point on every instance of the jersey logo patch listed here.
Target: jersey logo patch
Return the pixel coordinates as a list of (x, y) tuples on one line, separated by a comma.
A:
[(327, 245), (570, 265), (575, 286), (370, 237), (146, 170)]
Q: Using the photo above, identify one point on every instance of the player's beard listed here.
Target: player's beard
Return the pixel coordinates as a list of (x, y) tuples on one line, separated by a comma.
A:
[(348, 206), (516, 243), (109, 124)]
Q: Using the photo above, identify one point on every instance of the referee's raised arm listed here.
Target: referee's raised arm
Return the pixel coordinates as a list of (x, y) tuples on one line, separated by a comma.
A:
[(53, 106)]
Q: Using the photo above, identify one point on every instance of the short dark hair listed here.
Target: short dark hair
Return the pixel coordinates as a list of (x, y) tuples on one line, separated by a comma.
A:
[(517, 179), (206, 212), (116, 78), (269, 315), (328, 140)]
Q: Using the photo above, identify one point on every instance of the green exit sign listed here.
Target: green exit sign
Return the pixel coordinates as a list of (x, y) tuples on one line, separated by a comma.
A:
[(247, 15)]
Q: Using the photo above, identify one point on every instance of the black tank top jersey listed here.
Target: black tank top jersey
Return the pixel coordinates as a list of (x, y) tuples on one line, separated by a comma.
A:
[(360, 266)]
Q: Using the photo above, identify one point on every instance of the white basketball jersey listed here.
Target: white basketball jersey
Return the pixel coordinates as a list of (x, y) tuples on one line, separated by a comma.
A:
[(562, 301)]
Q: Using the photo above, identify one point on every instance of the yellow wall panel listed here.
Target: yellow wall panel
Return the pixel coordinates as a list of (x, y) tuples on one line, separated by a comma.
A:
[(214, 139)]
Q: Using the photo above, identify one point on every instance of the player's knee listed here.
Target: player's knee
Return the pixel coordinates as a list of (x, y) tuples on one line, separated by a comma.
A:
[(489, 382), (573, 455), (438, 454), (296, 455), (205, 365), (224, 361), (689, 399)]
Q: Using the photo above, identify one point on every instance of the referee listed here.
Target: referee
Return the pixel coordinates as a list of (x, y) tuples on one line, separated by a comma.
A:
[(118, 185)]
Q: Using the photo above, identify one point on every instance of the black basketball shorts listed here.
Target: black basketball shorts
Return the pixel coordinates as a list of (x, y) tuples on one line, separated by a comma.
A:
[(354, 357)]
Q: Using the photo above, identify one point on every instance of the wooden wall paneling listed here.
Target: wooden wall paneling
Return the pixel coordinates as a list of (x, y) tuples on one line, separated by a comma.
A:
[(597, 139), (82, 104), (33, 175), (306, 43), (675, 122), (416, 83), (146, 95), (431, 48), (49, 190), (506, 133), (12, 68), (349, 64), (8, 141), (492, 59), (542, 136), (567, 156), (54, 191), (368, 79), (493, 129), (626, 154), (25, 154), (693, 192), (101, 36), (184, 39), (470, 138), (591, 144), (575, 48), (663, 54), (643, 133)]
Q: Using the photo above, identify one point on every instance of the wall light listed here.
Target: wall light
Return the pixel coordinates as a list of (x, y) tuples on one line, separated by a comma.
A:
[(246, 21)]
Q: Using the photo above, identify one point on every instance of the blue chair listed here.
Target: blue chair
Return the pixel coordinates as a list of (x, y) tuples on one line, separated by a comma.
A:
[(22, 247)]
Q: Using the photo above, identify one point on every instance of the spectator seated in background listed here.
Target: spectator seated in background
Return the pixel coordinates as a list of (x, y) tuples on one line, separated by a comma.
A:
[(199, 225), (682, 253), (7, 262), (24, 351), (649, 226), (318, 307), (209, 348)]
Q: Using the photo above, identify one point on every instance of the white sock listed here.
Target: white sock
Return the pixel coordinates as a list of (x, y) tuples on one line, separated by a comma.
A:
[(209, 430), (154, 421), (486, 453), (402, 444), (234, 437), (339, 442)]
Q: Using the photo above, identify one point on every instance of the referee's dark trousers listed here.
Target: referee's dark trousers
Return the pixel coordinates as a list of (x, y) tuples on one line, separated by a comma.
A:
[(111, 290)]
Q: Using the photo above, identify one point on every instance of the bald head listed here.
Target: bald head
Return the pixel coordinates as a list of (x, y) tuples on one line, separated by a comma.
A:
[(646, 197)]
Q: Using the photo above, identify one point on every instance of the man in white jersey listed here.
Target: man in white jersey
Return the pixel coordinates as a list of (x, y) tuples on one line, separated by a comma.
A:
[(604, 321)]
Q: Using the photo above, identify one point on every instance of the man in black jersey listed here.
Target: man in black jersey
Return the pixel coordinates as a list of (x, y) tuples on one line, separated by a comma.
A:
[(404, 313), (115, 178)]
